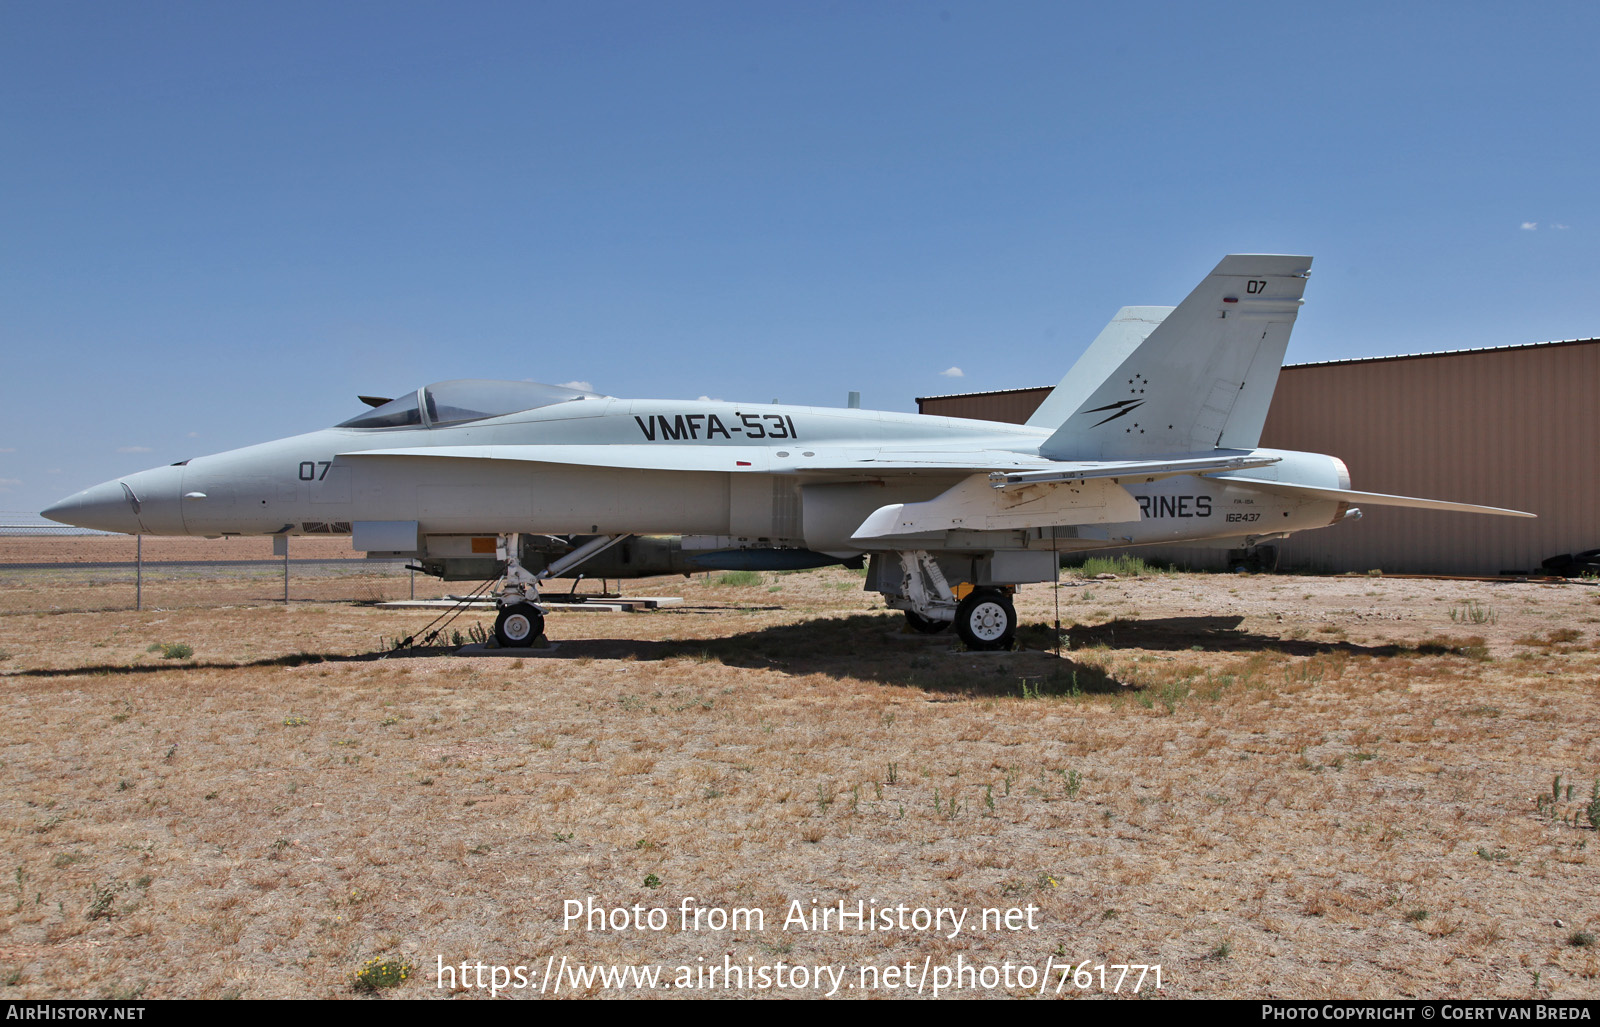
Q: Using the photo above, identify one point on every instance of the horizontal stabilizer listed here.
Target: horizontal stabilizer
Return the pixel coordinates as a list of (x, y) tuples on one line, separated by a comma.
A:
[(1281, 488)]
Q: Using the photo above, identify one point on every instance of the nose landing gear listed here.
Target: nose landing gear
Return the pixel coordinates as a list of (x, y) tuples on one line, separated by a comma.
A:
[(518, 625), (520, 622)]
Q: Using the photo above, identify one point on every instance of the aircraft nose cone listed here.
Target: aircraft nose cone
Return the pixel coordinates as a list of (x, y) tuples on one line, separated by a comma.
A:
[(105, 507)]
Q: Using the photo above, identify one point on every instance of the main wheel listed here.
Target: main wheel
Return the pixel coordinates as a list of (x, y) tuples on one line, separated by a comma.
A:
[(518, 626), (986, 619), (925, 625)]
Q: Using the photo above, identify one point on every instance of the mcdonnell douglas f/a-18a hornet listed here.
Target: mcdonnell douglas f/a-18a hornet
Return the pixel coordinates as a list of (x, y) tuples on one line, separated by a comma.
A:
[(1152, 436)]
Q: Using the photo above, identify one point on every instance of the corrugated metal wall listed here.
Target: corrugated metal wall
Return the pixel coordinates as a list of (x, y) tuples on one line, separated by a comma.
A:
[(1013, 406), (1517, 427)]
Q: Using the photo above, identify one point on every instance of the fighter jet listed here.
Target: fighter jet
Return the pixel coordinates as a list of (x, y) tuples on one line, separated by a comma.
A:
[(1152, 436)]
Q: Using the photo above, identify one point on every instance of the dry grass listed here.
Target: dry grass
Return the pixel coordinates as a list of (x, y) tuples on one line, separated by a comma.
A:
[(1282, 786), (77, 573)]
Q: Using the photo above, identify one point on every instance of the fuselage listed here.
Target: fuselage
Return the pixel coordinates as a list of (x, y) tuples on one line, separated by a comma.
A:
[(599, 465)]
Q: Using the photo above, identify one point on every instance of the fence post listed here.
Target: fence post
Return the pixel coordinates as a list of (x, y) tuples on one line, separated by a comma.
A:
[(138, 573), (280, 547)]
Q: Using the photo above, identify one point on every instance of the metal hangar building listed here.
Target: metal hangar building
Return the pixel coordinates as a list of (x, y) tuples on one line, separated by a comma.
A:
[(1512, 426)]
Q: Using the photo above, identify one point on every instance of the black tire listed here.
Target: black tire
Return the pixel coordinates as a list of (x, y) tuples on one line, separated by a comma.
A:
[(986, 620), (518, 626), (925, 625)]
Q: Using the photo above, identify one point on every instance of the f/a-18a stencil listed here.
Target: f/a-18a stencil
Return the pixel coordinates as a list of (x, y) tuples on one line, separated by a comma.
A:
[(1151, 437)]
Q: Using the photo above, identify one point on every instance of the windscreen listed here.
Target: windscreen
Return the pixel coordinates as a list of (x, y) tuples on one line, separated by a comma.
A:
[(464, 399), (397, 413), (471, 399)]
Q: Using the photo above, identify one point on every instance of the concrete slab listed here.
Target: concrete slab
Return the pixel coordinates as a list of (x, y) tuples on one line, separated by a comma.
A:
[(431, 604), (479, 649), (622, 604), (1000, 652)]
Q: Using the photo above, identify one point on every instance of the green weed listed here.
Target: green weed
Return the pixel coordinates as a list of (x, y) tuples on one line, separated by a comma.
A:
[(377, 974), (100, 900), (1472, 612), (1123, 566)]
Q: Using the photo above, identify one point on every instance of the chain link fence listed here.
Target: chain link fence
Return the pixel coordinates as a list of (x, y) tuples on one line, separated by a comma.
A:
[(51, 567)]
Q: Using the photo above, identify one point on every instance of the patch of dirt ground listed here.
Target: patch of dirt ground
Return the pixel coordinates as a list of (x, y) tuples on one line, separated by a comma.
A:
[(1266, 785)]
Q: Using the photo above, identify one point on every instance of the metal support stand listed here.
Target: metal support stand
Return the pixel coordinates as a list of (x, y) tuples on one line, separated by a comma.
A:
[(286, 570), (138, 573), (1055, 553)]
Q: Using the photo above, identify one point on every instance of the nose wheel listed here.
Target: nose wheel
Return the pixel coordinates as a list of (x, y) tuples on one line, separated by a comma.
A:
[(518, 626), (520, 623)]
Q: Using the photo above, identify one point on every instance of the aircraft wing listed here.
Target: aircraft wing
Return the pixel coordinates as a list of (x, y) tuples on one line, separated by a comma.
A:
[(1068, 471), (1007, 469), (1282, 488), (796, 459), (975, 504)]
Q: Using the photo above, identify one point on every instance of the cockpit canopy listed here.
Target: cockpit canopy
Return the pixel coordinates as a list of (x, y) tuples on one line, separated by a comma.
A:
[(463, 399)]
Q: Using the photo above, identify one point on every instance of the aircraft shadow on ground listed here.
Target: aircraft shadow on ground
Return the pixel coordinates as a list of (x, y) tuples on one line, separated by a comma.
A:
[(866, 646), (877, 647)]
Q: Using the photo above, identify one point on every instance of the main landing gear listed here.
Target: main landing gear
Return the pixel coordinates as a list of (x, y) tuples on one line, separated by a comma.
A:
[(985, 619), (520, 622)]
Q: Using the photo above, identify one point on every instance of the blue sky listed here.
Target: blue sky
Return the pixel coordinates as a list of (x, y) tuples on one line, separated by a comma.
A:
[(220, 222)]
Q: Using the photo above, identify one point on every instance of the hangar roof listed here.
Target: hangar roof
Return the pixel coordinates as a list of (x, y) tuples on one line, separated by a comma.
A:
[(1448, 352), (1314, 363)]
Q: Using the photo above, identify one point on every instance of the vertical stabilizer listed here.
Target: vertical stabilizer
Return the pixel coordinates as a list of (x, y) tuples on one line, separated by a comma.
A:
[(1115, 343), (1201, 380)]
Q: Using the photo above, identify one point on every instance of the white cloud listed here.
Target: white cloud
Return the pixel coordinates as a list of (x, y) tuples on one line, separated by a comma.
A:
[(7, 484), (710, 399), (8, 449), (133, 449), (1530, 226), (953, 372), (53, 470), (580, 386), (192, 435), (1560, 228)]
